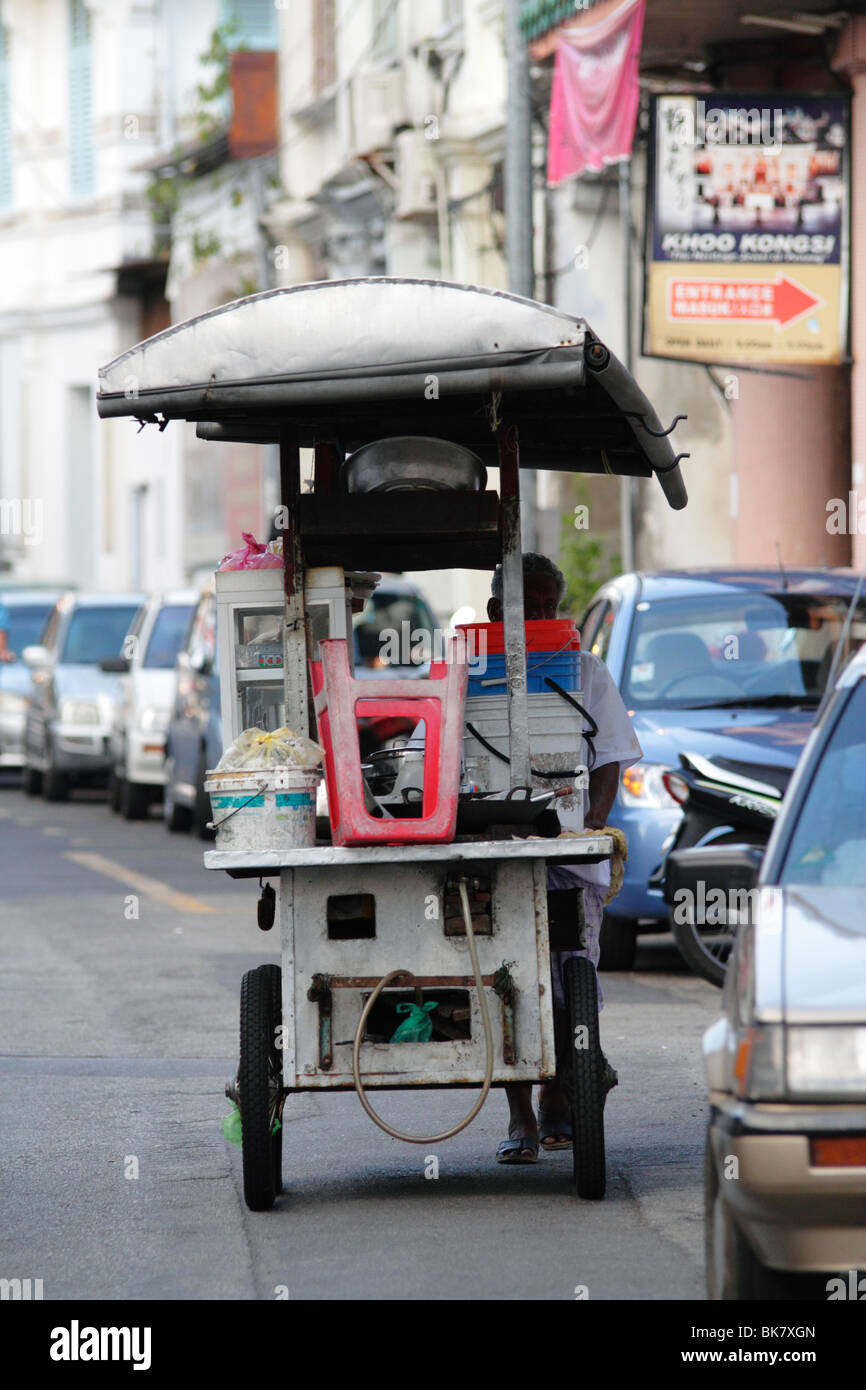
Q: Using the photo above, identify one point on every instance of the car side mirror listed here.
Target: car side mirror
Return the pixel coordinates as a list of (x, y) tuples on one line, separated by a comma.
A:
[(723, 866), (115, 665), (35, 656)]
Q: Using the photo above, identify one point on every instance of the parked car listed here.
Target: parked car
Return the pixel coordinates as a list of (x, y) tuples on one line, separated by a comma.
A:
[(72, 702), (28, 611), (194, 739), (148, 678), (726, 664), (786, 1061)]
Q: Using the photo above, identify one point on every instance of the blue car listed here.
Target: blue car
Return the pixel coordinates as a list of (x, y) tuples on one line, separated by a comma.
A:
[(726, 663)]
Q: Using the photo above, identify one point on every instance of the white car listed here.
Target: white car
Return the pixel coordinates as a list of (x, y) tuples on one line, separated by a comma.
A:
[(786, 1061), (28, 611), (148, 687)]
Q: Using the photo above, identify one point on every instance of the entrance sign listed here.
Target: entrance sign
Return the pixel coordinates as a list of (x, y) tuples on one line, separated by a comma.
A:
[(747, 247)]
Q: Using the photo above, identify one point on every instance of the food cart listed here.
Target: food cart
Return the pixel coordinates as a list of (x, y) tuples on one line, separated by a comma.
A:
[(459, 916)]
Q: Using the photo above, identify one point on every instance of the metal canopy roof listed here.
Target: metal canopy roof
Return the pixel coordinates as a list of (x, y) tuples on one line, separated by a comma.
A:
[(357, 360)]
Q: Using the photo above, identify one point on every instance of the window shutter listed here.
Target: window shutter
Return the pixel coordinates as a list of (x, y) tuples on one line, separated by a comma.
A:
[(5, 131), (81, 161), (256, 21)]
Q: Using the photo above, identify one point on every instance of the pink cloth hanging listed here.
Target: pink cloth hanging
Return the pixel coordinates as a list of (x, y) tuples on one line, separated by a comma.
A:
[(595, 96)]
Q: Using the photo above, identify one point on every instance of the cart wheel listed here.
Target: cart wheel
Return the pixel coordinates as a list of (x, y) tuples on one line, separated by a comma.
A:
[(31, 781), (260, 1086), (585, 1078)]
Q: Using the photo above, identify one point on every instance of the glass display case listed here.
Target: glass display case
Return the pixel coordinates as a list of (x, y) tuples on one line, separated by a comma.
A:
[(250, 607), (250, 623)]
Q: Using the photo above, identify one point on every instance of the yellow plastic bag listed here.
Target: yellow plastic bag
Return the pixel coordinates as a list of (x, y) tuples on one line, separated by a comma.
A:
[(256, 749)]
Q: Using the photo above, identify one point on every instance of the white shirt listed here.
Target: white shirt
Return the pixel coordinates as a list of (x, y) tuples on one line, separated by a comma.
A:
[(615, 742)]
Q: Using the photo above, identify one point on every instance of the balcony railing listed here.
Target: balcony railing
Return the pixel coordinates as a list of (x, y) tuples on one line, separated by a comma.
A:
[(537, 16)]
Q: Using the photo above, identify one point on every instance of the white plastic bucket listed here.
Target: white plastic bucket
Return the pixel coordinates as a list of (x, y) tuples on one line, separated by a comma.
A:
[(273, 809), (555, 741)]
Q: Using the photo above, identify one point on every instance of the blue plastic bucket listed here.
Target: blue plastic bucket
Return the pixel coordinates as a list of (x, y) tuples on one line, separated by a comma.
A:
[(563, 667)]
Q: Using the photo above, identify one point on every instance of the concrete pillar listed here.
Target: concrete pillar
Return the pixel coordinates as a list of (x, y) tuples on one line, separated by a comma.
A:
[(791, 458), (850, 60)]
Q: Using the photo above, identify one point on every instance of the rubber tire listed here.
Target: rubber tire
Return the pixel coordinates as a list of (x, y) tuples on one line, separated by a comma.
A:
[(134, 800), (55, 785), (709, 969), (177, 817), (31, 781), (259, 1073), (735, 1273), (618, 943), (114, 792), (201, 813), (585, 1079)]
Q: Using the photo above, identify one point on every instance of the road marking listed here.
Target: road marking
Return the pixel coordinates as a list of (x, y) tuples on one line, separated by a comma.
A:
[(53, 830), (142, 883)]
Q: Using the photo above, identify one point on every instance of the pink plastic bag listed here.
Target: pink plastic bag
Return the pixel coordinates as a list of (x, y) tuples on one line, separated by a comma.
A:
[(251, 556)]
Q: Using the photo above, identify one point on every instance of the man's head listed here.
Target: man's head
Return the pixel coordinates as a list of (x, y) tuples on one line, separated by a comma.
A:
[(543, 589)]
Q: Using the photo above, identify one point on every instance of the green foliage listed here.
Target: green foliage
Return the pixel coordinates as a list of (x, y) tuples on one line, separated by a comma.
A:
[(163, 195), (211, 94), (205, 246), (584, 562)]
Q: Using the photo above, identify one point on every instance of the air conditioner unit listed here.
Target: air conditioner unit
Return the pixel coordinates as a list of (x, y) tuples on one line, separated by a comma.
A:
[(417, 175), (377, 107)]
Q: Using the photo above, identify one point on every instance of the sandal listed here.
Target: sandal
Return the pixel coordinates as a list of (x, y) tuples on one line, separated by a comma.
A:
[(562, 1128), (511, 1150)]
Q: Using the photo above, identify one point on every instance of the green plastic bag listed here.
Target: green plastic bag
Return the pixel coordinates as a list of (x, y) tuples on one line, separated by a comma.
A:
[(231, 1124), (418, 1026)]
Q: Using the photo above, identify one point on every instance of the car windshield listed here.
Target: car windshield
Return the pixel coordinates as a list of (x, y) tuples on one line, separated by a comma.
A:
[(26, 625), (735, 649), (168, 636), (393, 630), (94, 634), (828, 845)]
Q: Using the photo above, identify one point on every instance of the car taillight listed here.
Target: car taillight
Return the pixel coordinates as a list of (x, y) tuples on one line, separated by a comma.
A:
[(677, 786)]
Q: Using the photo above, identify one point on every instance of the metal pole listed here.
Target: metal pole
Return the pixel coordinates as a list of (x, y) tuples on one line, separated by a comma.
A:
[(295, 675), (626, 485), (518, 209), (513, 610)]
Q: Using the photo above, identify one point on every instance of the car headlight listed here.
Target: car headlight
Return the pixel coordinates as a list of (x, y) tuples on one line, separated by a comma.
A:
[(79, 712), (153, 720), (642, 785), (11, 703), (826, 1060)]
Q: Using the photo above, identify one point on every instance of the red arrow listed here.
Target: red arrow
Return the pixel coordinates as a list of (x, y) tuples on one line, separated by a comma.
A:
[(778, 301)]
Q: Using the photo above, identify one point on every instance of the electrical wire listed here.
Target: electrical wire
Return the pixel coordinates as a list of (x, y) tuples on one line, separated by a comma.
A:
[(488, 1040)]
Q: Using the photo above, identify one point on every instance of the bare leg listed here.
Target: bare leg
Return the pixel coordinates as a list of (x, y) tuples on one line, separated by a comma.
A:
[(521, 1115)]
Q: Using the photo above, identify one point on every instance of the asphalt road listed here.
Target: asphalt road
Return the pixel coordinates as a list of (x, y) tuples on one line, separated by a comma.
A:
[(121, 964)]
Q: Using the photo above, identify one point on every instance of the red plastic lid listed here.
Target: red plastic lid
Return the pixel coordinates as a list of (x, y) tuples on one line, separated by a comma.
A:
[(542, 635)]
